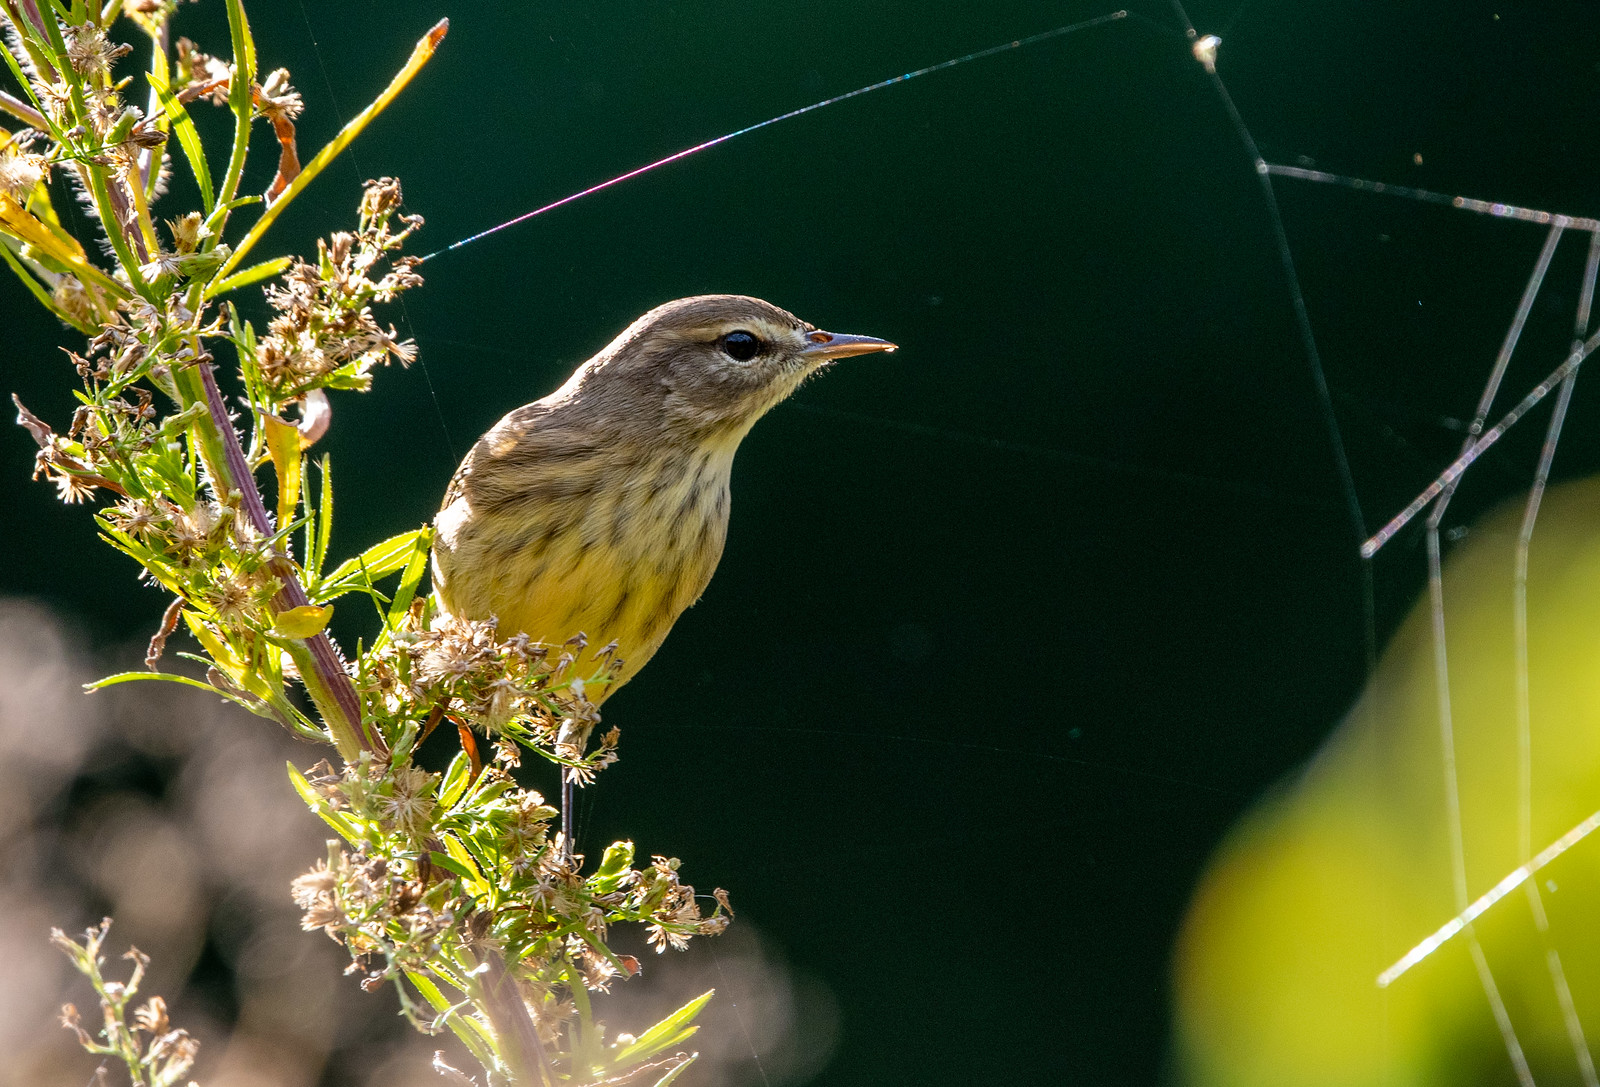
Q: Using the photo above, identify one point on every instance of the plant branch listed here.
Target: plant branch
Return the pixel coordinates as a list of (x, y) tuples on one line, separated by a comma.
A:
[(519, 1042), (419, 56), (321, 666), (23, 112)]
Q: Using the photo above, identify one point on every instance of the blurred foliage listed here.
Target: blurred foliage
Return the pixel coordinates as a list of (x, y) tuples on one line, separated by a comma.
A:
[(1333, 877)]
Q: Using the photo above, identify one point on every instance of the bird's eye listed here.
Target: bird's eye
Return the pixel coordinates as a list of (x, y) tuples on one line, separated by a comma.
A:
[(741, 345)]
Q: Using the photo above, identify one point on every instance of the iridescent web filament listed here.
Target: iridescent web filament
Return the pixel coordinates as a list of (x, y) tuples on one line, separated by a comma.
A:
[(880, 85)]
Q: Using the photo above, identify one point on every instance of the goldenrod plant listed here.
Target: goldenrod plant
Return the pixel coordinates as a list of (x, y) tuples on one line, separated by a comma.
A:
[(455, 886)]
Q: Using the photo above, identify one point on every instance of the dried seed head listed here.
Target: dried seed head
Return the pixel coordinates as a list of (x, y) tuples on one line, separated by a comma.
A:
[(187, 232), (71, 299), (89, 52), (277, 99), (20, 172), (151, 1016)]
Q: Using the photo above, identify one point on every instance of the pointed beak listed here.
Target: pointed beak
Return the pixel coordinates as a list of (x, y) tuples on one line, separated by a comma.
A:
[(826, 346)]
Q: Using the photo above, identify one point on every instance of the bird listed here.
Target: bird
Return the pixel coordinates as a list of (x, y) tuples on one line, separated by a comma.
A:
[(602, 509)]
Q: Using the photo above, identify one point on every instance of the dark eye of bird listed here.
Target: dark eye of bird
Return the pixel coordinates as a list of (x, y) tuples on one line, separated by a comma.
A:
[(741, 345)]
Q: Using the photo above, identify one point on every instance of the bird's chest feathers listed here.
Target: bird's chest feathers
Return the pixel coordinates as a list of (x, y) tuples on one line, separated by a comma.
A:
[(666, 518), (613, 545)]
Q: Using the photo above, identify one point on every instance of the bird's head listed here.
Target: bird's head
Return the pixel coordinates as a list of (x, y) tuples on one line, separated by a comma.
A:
[(707, 366)]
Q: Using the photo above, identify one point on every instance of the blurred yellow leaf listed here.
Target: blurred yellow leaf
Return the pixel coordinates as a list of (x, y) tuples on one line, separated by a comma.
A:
[(303, 622), (284, 446)]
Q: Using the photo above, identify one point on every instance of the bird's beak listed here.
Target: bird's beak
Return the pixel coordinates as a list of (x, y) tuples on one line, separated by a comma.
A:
[(826, 346)]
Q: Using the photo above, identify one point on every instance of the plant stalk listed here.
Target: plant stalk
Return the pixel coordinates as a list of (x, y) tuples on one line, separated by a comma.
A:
[(320, 664), (518, 1038)]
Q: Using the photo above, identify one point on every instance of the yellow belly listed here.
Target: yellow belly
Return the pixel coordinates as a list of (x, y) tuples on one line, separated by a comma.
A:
[(619, 563)]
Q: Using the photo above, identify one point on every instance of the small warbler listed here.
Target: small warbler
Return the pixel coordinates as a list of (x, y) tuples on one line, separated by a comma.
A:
[(603, 508)]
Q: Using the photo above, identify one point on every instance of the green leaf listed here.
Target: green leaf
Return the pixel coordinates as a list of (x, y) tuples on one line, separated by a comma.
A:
[(376, 561), (306, 621), (256, 706), (244, 51), (676, 1072), (614, 866), (411, 578), (170, 677), (188, 139), (669, 1032), (455, 780), (324, 518), (244, 74), (219, 217), (347, 830), (458, 1024), (450, 864), (253, 274), (284, 446), (27, 85)]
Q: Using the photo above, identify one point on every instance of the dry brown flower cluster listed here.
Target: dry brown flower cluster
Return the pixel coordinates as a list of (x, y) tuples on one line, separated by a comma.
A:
[(466, 872), (325, 334)]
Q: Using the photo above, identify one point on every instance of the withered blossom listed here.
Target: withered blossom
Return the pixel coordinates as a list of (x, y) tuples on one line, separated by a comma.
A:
[(90, 52), (410, 801), (201, 75), (159, 1053), (162, 263), (325, 327), (20, 171), (277, 99), (187, 231)]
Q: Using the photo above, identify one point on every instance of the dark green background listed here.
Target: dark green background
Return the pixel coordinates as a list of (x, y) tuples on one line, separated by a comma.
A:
[(1013, 623)]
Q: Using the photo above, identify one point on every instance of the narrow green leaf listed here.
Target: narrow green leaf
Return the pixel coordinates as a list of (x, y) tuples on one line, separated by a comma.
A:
[(316, 803), (170, 677), (676, 1072), (254, 705), (244, 73), (253, 274), (219, 217), (27, 86), (452, 1018), (410, 579), (586, 1051), (376, 561), (163, 122), (188, 138), (669, 1032), (450, 864), (455, 780), (324, 517), (309, 524), (244, 48)]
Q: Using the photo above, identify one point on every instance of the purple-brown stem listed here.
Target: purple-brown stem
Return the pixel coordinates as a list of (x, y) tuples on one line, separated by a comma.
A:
[(344, 712), (513, 1026)]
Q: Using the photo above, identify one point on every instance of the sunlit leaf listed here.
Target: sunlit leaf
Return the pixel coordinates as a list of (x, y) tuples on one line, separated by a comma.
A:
[(253, 274), (419, 56), (284, 447), (302, 622), (188, 138), (669, 1032)]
